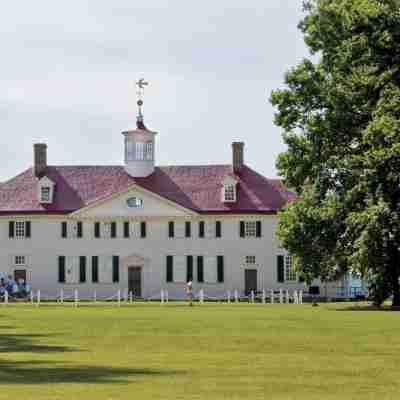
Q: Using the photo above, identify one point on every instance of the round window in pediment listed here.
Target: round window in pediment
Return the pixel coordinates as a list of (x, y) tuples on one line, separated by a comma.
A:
[(134, 202)]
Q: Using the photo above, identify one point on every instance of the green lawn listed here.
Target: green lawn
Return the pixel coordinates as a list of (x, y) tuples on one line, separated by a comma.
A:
[(213, 351)]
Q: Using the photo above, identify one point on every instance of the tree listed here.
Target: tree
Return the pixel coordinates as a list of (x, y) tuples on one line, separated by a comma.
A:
[(340, 112)]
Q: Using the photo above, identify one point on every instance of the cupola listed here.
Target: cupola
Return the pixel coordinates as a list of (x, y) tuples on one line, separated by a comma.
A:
[(139, 143)]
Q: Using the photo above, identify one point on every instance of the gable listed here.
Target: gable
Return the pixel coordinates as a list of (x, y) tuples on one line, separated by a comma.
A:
[(136, 202)]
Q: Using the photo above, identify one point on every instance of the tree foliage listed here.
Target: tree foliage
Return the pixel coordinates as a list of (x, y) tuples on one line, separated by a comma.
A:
[(340, 113)]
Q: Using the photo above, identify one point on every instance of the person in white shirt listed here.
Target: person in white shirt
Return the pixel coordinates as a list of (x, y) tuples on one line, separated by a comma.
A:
[(189, 292)]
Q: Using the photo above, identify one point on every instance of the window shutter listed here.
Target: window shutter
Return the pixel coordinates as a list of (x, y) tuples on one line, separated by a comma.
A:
[(189, 271), (200, 269), (126, 229), (79, 230), (281, 269), (220, 268), (115, 268), (143, 229), (82, 269), (11, 229), (242, 229), (218, 231), (187, 229), (170, 265), (97, 229), (63, 229), (28, 229), (61, 269), (95, 269), (113, 229), (171, 230), (258, 229), (201, 229)]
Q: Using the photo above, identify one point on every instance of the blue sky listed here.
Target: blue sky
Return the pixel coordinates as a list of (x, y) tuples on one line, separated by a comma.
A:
[(68, 71)]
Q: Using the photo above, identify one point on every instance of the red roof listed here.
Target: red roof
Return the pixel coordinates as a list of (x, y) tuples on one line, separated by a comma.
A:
[(195, 187)]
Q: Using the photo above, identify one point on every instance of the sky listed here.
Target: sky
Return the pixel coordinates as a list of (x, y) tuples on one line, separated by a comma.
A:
[(68, 72)]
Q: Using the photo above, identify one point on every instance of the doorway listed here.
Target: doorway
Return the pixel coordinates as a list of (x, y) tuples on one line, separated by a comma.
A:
[(250, 281), (20, 274), (135, 281)]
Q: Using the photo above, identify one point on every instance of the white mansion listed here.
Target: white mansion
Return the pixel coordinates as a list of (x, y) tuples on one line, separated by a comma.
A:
[(143, 227)]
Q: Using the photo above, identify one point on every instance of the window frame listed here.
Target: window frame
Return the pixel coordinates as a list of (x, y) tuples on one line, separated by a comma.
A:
[(290, 273)]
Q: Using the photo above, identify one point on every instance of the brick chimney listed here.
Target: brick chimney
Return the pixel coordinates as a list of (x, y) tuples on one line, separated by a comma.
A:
[(237, 156), (39, 159)]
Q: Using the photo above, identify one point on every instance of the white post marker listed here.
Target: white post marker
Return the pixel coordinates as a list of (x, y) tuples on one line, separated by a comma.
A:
[(252, 296), (38, 298), (119, 297), (94, 296), (281, 296), (126, 295), (287, 297), (76, 298), (295, 298), (301, 297), (32, 296), (201, 296), (130, 297), (162, 296), (6, 297), (263, 296), (61, 296), (236, 296), (229, 296), (166, 296), (271, 294)]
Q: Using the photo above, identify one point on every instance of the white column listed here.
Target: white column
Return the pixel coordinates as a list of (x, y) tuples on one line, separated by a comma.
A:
[(76, 297), (271, 293)]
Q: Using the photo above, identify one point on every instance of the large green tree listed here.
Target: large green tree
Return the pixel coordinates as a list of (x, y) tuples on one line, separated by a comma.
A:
[(340, 112)]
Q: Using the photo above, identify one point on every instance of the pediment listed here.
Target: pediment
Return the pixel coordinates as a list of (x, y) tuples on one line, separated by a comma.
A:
[(136, 202)]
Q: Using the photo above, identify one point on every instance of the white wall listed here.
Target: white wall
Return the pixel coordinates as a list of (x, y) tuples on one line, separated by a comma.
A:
[(46, 244)]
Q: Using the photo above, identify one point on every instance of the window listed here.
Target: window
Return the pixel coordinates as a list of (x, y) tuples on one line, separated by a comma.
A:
[(109, 230), (179, 269), (250, 229), (71, 269), (134, 202), (19, 261), (45, 194), (210, 269), (250, 260), (130, 150), (290, 273), (148, 151), (105, 272), (20, 229), (229, 193)]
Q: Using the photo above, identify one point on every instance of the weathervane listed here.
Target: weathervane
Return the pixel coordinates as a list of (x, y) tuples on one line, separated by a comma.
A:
[(141, 83)]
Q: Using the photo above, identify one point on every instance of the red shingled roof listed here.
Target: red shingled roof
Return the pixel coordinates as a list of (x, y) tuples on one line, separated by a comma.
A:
[(195, 187)]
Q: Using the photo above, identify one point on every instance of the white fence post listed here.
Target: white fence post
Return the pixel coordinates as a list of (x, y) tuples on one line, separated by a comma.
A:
[(94, 296), (252, 296), (38, 298), (62, 296), (236, 296), (32, 296), (280, 296), (201, 296), (119, 297), (6, 297), (130, 296), (162, 296), (263, 296), (166, 296), (271, 293), (287, 297), (76, 297), (229, 296), (300, 297), (295, 297)]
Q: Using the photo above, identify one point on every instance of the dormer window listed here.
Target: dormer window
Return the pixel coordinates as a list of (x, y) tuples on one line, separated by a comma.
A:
[(46, 190), (229, 189)]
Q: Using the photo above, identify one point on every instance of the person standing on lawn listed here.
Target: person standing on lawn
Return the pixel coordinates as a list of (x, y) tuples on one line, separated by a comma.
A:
[(189, 292)]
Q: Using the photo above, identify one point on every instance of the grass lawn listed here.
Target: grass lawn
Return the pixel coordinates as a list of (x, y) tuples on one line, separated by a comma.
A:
[(213, 351)]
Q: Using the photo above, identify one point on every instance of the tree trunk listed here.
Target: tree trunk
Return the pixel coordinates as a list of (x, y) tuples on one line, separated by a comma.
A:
[(395, 259)]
